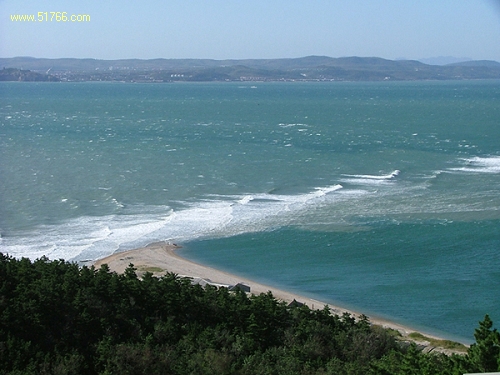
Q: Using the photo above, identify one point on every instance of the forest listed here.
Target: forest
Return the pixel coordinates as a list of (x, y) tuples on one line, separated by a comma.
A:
[(57, 317)]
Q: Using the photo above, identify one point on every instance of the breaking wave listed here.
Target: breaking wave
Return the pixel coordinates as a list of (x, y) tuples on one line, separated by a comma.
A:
[(480, 165), (367, 179), (90, 238)]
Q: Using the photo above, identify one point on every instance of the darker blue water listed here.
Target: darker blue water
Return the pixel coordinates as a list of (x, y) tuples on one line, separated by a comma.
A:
[(433, 276)]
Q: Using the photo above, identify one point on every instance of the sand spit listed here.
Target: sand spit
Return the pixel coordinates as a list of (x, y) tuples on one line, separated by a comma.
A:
[(161, 257)]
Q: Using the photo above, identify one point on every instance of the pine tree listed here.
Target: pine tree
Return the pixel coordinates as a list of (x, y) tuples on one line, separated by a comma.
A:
[(484, 355)]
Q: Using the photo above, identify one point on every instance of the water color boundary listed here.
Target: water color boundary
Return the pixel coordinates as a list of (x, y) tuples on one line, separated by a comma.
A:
[(161, 257)]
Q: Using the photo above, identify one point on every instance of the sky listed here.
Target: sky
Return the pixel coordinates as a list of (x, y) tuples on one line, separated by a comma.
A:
[(239, 29)]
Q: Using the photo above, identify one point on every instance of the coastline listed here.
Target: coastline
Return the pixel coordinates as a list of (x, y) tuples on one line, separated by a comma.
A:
[(161, 257)]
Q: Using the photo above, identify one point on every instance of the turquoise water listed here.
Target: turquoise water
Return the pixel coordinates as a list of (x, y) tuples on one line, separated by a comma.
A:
[(382, 197)]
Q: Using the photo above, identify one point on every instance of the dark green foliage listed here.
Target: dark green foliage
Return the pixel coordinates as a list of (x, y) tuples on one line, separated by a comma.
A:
[(484, 355), (411, 361), (58, 318)]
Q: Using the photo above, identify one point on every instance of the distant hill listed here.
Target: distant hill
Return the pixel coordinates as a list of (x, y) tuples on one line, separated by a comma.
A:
[(483, 63), (13, 74), (443, 60), (309, 68)]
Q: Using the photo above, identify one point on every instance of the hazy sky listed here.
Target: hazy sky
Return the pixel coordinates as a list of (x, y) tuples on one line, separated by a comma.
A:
[(236, 29)]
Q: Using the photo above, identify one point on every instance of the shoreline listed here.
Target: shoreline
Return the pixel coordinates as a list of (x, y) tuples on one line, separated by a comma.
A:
[(161, 257)]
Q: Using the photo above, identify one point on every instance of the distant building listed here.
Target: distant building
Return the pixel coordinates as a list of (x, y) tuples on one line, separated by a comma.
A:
[(295, 303), (243, 287), (204, 282)]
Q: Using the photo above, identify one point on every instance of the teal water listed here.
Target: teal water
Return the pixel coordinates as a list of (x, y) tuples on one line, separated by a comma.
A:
[(382, 197)]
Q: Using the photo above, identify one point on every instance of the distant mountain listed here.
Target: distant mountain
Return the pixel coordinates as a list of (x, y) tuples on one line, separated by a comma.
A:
[(444, 60), (483, 63), (309, 68), (87, 65)]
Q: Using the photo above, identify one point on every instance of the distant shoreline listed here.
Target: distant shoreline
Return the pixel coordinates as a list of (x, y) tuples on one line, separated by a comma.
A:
[(308, 68), (161, 257)]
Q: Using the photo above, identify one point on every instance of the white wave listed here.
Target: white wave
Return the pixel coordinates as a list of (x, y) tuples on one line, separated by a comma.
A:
[(292, 125), (435, 174), (375, 177), (64, 241), (480, 165), (329, 189), (118, 204), (90, 238), (246, 199), (367, 179)]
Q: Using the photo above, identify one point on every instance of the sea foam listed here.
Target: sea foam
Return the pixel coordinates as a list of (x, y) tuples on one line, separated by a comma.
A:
[(90, 238), (367, 179), (480, 165)]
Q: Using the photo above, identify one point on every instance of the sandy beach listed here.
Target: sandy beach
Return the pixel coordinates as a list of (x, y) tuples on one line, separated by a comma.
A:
[(161, 257)]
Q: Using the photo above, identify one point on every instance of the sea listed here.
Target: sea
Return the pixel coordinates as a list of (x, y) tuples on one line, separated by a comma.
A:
[(382, 197)]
